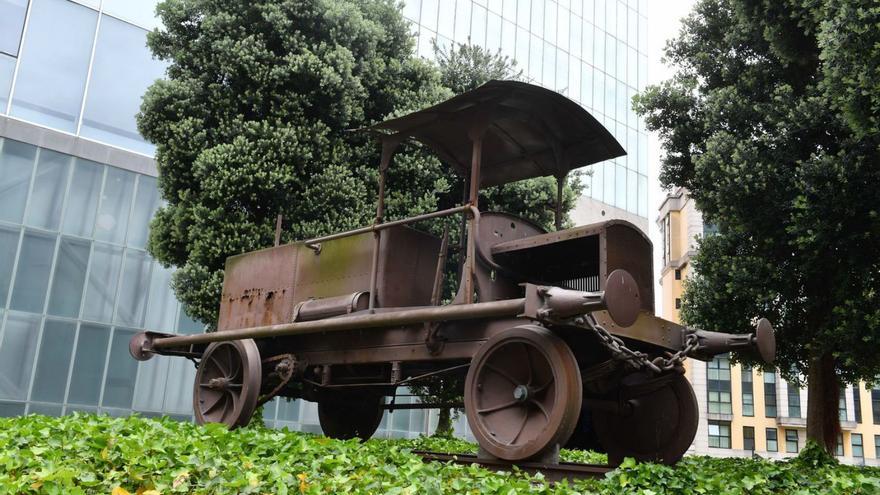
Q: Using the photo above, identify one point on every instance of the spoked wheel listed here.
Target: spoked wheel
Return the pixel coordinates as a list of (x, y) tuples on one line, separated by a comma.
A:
[(348, 415), (522, 393), (660, 428), (227, 383)]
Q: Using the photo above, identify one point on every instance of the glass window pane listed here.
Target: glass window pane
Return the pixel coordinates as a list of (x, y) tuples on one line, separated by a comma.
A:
[(462, 21), (620, 190), (537, 25), (142, 12), (17, 355), (643, 196), (32, 274), (50, 184), (548, 77), (493, 32), (446, 20), (101, 287), (88, 366), (478, 26), (562, 72), (121, 371), (11, 23), (508, 42), (178, 391), (52, 72), (610, 177), (11, 409), (187, 325), (45, 409), (115, 206), (8, 247), (536, 57), (149, 394), (632, 192), (7, 68), (122, 70), (70, 274), (133, 289), (429, 14), (550, 26), (523, 13), (53, 363), (162, 303), (82, 202), (410, 9), (16, 167)]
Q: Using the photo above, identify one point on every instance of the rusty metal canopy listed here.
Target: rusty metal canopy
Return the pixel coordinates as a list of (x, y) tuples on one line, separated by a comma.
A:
[(531, 132)]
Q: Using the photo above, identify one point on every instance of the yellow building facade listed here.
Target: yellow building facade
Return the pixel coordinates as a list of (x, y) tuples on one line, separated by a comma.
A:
[(747, 411)]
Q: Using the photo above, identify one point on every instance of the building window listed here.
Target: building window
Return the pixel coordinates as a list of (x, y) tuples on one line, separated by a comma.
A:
[(770, 394), (794, 401), (748, 391), (772, 443), (749, 438), (877, 446), (838, 449), (858, 450), (677, 303), (791, 441), (709, 229), (875, 405), (718, 385), (666, 232), (857, 402), (841, 404), (678, 274), (719, 434), (11, 23)]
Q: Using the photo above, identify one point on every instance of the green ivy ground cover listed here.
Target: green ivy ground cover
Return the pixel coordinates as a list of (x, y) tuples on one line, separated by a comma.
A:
[(99, 454)]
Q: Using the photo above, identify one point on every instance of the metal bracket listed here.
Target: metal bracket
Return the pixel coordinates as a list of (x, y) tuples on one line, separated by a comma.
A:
[(433, 340)]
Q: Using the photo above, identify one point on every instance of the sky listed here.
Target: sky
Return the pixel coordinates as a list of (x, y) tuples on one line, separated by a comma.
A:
[(664, 22)]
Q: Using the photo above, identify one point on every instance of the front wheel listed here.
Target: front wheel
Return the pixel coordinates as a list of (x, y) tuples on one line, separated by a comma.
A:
[(523, 393)]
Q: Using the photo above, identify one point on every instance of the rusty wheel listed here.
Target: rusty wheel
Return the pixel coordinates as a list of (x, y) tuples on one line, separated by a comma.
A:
[(349, 415), (660, 427), (522, 393), (227, 383)]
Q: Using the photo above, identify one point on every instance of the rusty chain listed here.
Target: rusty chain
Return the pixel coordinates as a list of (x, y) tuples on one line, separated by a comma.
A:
[(636, 359)]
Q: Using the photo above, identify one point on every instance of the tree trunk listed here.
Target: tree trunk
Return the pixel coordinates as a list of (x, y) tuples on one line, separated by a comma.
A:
[(444, 423), (823, 396)]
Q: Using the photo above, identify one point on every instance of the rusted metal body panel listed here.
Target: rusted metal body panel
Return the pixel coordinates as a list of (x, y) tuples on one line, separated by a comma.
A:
[(263, 287)]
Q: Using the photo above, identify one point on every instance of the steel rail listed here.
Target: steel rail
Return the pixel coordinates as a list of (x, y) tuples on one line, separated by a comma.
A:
[(491, 309), (552, 472)]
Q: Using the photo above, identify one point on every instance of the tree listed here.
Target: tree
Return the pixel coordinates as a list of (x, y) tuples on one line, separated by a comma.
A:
[(753, 126), (251, 122)]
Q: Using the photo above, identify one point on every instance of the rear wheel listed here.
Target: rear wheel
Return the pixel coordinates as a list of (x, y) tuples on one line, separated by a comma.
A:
[(349, 415), (523, 393), (662, 424)]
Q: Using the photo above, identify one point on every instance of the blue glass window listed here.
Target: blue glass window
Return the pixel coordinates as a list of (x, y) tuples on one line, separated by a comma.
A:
[(12, 14), (50, 184), (113, 213), (32, 273), (88, 366), (103, 279), (146, 201), (643, 195), (135, 282), (122, 70), (162, 309), (141, 12), (8, 248), (17, 354), (7, 68), (121, 372), (52, 72), (16, 168), (70, 275), (53, 363), (82, 202)]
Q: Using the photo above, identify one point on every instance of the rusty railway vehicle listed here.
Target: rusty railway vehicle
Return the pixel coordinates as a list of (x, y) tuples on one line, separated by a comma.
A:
[(552, 334)]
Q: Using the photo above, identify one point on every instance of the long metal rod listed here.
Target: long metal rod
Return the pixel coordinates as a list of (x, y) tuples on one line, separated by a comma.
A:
[(492, 309), (394, 223)]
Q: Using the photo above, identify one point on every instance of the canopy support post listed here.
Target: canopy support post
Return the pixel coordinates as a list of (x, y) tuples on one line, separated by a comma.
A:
[(389, 146), (560, 185)]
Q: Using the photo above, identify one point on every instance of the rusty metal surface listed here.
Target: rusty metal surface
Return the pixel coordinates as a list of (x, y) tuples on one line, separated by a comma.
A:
[(523, 393), (327, 307), (227, 383), (532, 132), (647, 328), (660, 427), (552, 472)]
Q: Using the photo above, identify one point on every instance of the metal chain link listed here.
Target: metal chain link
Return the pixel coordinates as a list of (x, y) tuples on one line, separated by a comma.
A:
[(636, 359)]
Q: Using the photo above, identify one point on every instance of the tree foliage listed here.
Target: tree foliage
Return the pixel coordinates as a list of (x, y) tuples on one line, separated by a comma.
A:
[(759, 124)]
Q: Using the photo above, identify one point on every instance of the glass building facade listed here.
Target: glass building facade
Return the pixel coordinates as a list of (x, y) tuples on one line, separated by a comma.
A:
[(78, 185), (592, 51)]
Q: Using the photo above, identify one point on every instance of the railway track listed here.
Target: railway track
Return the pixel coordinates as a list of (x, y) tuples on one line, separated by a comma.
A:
[(552, 472)]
